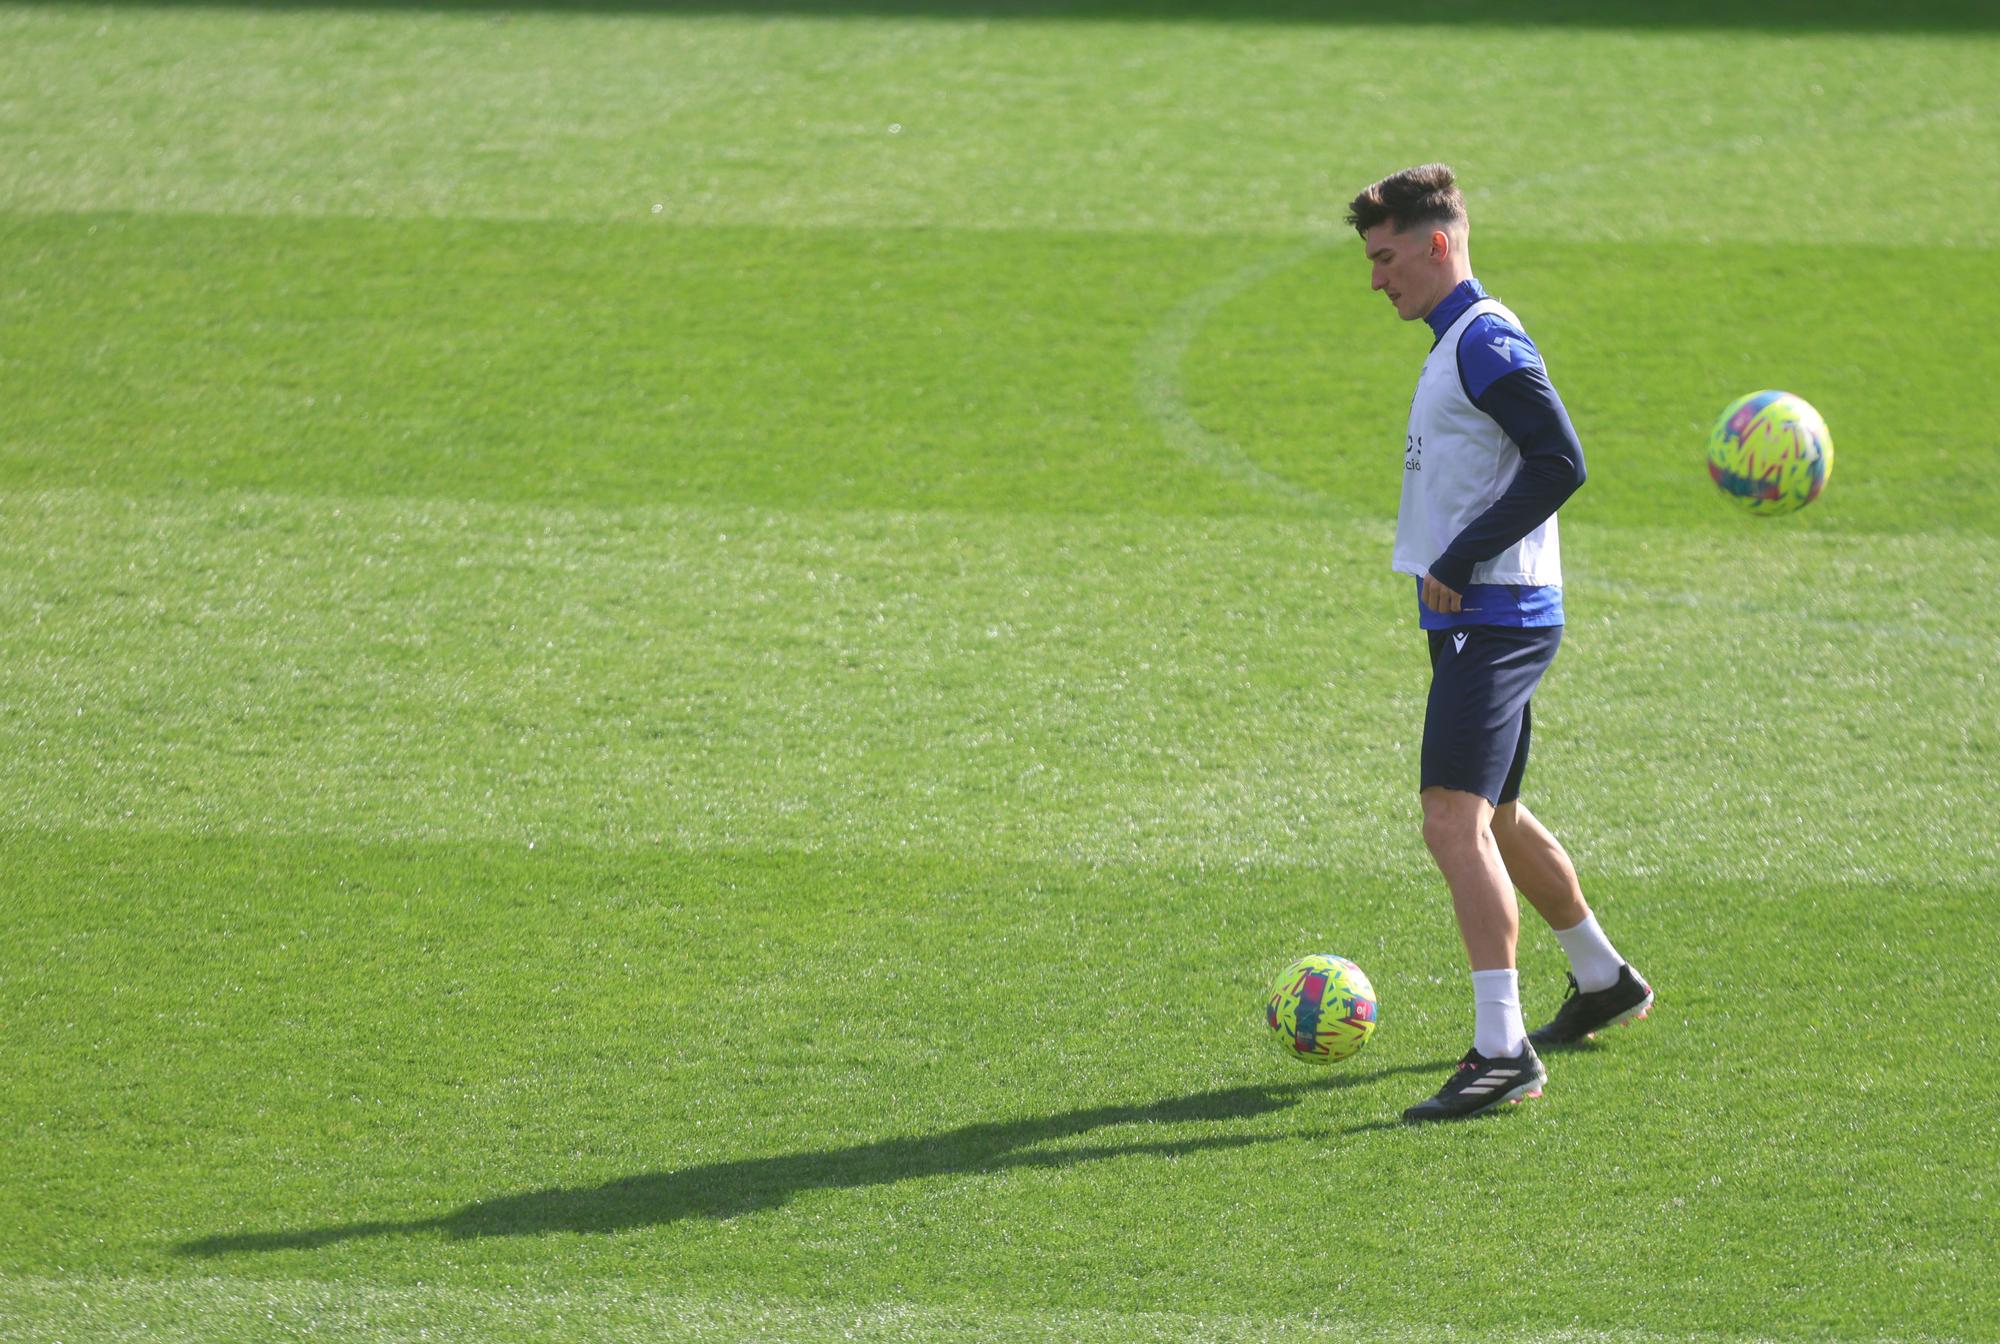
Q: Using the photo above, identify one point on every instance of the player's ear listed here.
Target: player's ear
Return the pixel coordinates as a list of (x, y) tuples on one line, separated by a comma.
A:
[(1440, 244)]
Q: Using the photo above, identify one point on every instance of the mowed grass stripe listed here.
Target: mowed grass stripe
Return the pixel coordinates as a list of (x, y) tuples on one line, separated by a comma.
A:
[(221, 1311), (950, 119), (596, 363), (953, 1083), (892, 369), (1134, 690)]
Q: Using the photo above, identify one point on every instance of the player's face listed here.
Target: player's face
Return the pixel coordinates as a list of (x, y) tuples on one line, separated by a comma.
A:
[(1406, 268)]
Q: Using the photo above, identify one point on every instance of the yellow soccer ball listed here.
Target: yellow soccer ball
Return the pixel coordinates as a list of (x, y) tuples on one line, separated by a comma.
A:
[(1321, 1009), (1770, 452)]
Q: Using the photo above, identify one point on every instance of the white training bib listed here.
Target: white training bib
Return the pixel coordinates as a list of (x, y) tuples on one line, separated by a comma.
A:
[(1456, 463)]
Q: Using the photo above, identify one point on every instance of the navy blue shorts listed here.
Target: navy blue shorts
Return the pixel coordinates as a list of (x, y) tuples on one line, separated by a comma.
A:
[(1476, 727)]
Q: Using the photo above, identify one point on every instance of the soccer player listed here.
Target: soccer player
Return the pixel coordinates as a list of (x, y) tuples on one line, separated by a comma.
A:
[(1491, 455)]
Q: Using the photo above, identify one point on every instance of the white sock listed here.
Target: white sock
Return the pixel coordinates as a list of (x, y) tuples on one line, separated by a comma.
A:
[(1592, 959), (1497, 1029)]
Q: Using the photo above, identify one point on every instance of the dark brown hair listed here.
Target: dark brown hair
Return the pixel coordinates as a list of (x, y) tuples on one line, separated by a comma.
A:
[(1426, 194)]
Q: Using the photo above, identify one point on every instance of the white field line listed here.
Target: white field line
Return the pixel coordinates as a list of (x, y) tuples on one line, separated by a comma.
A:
[(1158, 379)]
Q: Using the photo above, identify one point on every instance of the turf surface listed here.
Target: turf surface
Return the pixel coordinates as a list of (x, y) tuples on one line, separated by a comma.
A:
[(677, 673)]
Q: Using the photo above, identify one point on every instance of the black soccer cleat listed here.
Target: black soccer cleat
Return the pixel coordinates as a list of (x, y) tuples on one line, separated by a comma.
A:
[(1584, 1015), (1480, 1084)]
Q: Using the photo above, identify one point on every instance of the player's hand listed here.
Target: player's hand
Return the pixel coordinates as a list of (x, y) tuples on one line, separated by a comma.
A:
[(1440, 598)]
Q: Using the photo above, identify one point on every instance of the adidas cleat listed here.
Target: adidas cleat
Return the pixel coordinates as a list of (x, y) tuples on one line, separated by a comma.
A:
[(1584, 1015), (1480, 1084)]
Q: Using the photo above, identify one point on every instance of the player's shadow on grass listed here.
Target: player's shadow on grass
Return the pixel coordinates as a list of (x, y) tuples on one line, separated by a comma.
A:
[(730, 1189)]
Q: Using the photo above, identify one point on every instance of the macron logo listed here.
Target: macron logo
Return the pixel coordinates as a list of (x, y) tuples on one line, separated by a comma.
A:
[(1500, 344), (1458, 642)]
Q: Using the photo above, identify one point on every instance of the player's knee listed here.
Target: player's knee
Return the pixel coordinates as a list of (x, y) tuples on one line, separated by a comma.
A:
[(1454, 821), (1444, 835)]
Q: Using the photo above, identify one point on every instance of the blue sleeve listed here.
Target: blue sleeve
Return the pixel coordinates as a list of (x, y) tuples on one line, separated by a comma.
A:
[(1489, 349), (1511, 385)]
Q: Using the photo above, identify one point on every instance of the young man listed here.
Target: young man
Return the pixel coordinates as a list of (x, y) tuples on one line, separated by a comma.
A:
[(1490, 456)]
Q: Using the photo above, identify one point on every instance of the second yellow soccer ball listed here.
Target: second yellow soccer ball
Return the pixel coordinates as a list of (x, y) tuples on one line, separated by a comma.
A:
[(1770, 452)]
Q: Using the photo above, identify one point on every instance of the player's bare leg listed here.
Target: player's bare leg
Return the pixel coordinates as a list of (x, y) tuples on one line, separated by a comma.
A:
[(1604, 991), (1501, 1066), (1458, 828), (1539, 866)]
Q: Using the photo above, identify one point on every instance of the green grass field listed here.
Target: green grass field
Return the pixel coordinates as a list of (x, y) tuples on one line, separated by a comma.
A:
[(675, 673)]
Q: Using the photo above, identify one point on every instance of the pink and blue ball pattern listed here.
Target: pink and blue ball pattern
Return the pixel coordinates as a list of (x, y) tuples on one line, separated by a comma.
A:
[(1770, 452), (1321, 1009)]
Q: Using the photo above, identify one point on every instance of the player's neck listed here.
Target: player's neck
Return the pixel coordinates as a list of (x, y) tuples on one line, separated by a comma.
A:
[(1457, 276)]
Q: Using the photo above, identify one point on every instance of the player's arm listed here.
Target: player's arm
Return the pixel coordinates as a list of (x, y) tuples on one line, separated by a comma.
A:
[(1514, 388)]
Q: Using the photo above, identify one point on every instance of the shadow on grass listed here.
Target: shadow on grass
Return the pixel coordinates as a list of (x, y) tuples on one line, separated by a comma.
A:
[(730, 1189), (1769, 15)]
